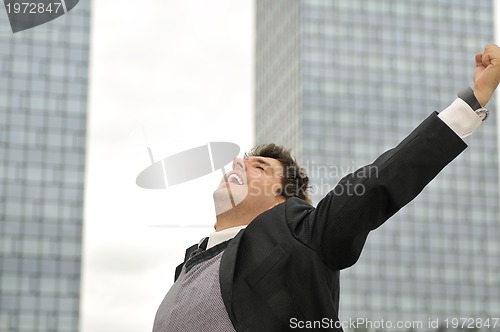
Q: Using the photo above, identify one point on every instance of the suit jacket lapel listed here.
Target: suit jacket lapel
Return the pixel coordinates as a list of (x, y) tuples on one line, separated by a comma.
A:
[(226, 273), (189, 252)]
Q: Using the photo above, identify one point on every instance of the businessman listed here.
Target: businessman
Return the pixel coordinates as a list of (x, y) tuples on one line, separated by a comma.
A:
[(273, 262)]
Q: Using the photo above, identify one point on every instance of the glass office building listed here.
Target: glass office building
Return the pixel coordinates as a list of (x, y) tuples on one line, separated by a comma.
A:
[(342, 81), (43, 111)]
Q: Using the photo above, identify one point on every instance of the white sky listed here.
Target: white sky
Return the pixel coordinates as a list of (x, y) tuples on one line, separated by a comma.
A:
[(171, 75)]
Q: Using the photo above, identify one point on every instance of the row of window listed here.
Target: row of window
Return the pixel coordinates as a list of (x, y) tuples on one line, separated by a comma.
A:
[(20, 321), (50, 34), (30, 74), (418, 303), (52, 161), (374, 38), (60, 105), (20, 209), (69, 246), (68, 265), (435, 10), (11, 230), (45, 138)]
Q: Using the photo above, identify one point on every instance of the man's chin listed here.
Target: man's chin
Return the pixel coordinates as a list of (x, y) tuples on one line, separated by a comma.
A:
[(232, 190), (226, 198)]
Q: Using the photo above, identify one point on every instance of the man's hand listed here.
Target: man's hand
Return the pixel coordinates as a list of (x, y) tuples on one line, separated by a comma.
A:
[(487, 73)]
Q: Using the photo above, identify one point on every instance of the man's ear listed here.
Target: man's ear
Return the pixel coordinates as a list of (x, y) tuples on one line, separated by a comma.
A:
[(279, 191)]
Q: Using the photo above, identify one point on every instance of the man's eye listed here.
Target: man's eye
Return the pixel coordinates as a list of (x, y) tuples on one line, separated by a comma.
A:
[(259, 167)]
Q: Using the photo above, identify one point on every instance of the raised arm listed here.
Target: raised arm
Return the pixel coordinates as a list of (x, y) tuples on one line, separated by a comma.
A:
[(338, 227)]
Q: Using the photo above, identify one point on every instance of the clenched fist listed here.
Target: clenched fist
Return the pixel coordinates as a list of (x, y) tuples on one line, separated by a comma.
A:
[(487, 73)]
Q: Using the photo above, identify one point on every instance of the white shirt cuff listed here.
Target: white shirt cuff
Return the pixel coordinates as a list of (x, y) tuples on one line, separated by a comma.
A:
[(460, 118)]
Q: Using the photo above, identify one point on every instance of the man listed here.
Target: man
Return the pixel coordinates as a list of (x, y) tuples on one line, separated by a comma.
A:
[(274, 260)]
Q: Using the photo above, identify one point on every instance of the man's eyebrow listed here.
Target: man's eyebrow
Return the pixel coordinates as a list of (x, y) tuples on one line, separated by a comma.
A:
[(262, 161)]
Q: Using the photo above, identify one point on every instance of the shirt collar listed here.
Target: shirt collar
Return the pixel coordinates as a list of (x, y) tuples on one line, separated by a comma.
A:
[(218, 237)]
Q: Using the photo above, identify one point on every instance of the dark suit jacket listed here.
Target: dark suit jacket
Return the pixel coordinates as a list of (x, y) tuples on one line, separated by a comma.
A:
[(286, 263)]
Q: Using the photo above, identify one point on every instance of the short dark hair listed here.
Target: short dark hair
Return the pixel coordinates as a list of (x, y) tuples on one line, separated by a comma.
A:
[(295, 182)]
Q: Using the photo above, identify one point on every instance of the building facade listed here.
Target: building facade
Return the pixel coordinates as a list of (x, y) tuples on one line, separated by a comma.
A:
[(342, 81), (43, 112)]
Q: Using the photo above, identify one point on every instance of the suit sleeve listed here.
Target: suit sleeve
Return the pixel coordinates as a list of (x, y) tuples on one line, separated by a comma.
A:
[(337, 229)]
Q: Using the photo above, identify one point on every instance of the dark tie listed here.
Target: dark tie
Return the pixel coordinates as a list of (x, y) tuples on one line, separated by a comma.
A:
[(201, 246)]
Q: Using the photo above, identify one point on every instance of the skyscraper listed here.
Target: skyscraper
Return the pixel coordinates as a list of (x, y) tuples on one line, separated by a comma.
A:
[(43, 111), (342, 81)]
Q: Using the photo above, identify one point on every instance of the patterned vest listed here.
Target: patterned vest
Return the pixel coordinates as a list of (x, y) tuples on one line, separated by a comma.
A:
[(194, 303)]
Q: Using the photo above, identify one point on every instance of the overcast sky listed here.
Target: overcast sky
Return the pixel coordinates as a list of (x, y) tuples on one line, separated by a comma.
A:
[(170, 75)]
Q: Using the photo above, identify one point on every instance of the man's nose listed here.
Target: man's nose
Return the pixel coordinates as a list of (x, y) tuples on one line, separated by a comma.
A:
[(238, 163)]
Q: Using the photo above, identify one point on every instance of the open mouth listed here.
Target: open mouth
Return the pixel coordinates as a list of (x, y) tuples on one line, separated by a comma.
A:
[(234, 178)]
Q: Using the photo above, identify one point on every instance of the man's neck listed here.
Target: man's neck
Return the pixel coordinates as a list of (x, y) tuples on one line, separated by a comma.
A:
[(233, 218), (238, 216)]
